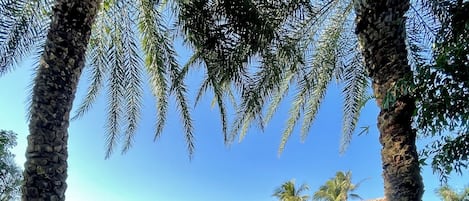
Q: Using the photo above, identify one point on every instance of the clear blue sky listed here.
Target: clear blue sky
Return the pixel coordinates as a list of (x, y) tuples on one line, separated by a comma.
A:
[(247, 171)]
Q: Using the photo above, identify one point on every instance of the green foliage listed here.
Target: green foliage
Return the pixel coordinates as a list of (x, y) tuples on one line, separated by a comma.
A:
[(228, 36), (114, 60), (339, 188), (10, 173), (263, 49), (289, 192), (442, 90), (446, 193), (116, 54), (23, 30)]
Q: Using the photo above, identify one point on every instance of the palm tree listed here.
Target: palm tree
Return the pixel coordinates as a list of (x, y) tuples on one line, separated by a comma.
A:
[(319, 48), (112, 49), (339, 188), (226, 33), (112, 52), (288, 192), (381, 32), (55, 85), (448, 194)]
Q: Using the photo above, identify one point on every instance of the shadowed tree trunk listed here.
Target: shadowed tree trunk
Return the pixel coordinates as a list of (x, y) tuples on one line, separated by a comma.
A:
[(53, 93), (381, 33)]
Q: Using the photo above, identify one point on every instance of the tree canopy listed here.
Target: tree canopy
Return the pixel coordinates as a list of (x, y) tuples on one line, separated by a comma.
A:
[(10, 173), (442, 90), (289, 192)]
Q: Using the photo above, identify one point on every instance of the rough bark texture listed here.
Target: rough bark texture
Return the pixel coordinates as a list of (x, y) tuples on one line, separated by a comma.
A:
[(381, 33), (53, 93)]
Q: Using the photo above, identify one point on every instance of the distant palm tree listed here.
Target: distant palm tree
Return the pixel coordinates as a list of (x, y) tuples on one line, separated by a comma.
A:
[(288, 192), (339, 188), (448, 194)]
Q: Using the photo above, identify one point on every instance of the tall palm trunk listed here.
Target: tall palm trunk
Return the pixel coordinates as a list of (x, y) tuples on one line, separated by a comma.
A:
[(53, 93), (381, 33)]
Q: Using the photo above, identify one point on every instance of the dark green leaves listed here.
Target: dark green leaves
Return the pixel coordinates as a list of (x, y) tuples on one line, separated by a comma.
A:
[(10, 173), (442, 90)]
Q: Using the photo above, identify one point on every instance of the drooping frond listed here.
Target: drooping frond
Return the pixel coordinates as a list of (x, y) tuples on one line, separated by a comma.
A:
[(161, 62), (115, 57), (202, 90), (282, 92), (116, 83), (355, 95), (324, 63), (422, 29), (279, 64), (228, 34), (152, 30), (23, 29), (308, 54), (180, 91), (133, 74), (97, 62), (294, 113), (255, 93), (355, 85)]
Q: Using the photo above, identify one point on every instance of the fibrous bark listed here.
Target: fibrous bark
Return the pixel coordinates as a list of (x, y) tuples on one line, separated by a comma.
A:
[(381, 33), (53, 93)]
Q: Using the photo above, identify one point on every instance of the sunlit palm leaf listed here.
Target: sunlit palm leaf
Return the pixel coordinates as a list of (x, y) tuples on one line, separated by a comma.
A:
[(282, 92), (156, 58), (325, 59), (289, 192), (294, 113)]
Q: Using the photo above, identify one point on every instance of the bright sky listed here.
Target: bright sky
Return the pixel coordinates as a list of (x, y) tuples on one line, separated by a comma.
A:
[(247, 171)]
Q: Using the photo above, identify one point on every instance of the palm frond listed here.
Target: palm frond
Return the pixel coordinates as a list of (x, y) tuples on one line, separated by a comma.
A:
[(221, 106), (97, 62), (255, 94), (270, 82), (116, 89), (152, 30), (228, 34), (422, 28), (179, 88), (204, 86), (24, 27), (282, 92), (323, 64), (355, 86), (181, 94), (294, 113), (133, 74)]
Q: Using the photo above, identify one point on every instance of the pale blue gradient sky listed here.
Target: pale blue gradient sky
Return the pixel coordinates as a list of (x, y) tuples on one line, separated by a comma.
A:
[(247, 171)]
